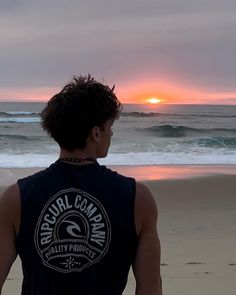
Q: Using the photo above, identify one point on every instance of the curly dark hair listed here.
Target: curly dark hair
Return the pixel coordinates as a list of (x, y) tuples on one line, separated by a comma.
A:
[(69, 116)]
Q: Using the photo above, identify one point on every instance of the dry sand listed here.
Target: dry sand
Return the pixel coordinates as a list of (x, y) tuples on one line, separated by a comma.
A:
[(197, 227)]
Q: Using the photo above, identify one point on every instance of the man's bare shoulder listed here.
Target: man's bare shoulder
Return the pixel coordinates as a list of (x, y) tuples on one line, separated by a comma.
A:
[(10, 194), (145, 206), (10, 205), (145, 198)]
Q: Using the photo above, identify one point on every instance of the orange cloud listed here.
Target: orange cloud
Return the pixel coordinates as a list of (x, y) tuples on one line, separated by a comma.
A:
[(133, 92), (27, 94), (171, 93)]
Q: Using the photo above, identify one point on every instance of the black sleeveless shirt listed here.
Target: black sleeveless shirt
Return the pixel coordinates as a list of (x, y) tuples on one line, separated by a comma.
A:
[(77, 232)]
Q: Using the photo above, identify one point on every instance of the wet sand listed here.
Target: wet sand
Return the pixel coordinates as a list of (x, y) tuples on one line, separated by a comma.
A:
[(197, 227)]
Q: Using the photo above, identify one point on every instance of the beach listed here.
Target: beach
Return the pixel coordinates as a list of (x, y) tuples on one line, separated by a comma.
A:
[(197, 226)]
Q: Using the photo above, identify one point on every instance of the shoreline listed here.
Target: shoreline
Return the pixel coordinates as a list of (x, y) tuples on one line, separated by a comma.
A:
[(174, 172), (139, 172)]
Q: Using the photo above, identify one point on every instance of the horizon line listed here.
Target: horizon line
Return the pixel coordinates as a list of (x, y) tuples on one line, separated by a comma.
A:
[(128, 103)]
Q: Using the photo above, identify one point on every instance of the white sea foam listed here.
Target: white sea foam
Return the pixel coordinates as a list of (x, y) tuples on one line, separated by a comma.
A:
[(43, 160), (26, 160), (20, 120), (168, 158)]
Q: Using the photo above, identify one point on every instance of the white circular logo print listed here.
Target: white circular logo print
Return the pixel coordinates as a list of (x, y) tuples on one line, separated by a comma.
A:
[(72, 232)]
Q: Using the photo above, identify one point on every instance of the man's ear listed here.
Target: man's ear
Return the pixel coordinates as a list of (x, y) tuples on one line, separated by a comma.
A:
[(96, 133)]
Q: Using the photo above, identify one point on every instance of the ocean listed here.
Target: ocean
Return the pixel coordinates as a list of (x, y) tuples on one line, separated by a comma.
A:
[(143, 135)]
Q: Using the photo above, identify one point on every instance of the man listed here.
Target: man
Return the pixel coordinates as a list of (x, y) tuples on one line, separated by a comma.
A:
[(78, 226)]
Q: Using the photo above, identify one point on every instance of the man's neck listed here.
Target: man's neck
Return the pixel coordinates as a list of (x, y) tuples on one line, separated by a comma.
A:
[(77, 154)]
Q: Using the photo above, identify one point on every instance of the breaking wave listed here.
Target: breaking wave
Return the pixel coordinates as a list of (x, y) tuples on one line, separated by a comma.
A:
[(154, 114), (181, 131)]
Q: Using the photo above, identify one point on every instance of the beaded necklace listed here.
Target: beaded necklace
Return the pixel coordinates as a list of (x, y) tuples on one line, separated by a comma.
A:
[(77, 160)]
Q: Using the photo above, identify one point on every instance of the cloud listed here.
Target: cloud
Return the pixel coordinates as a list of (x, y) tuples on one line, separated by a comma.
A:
[(46, 42)]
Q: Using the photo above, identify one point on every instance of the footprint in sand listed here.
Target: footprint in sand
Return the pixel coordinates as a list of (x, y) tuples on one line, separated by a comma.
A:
[(194, 263), (205, 273)]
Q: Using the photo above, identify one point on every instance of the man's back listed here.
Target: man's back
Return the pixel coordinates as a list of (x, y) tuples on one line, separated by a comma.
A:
[(77, 221)]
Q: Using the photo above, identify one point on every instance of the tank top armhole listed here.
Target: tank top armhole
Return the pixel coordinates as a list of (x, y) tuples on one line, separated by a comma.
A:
[(18, 236), (134, 231)]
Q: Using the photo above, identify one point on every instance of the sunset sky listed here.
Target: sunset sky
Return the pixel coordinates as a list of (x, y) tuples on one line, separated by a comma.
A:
[(179, 51)]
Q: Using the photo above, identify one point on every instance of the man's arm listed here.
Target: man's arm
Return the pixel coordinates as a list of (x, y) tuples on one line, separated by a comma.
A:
[(9, 224), (146, 267)]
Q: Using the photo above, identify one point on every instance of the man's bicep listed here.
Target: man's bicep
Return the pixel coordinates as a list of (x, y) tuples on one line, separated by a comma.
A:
[(7, 254), (7, 234), (146, 266)]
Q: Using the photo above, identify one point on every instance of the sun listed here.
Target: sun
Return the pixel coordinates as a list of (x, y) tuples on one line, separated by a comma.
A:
[(154, 100)]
